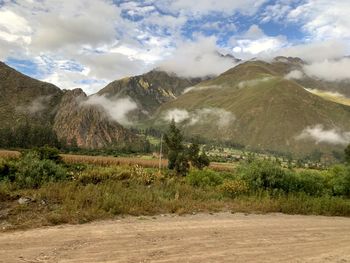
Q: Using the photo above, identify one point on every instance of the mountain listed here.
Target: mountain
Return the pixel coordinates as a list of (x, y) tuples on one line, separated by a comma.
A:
[(22, 98), (88, 125), (149, 90), (254, 105), (27, 100), (284, 65)]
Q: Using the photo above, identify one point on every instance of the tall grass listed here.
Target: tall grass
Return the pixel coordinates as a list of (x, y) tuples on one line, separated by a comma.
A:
[(88, 192)]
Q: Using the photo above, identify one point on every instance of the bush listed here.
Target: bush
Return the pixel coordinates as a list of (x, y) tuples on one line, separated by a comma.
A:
[(234, 188), (141, 175), (310, 183), (265, 174), (31, 172), (48, 153), (338, 180), (4, 169), (96, 175), (207, 177)]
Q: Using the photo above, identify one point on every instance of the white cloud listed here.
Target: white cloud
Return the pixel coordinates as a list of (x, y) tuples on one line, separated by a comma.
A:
[(202, 7), (221, 117), (117, 109), (199, 88), (178, 115), (110, 66), (87, 32), (253, 82), (38, 105), (66, 24), (321, 135), (336, 70), (70, 80), (198, 58), (14, 27), (276, 12), (294, 74), (315, 51), (255, 43), (323, 19)]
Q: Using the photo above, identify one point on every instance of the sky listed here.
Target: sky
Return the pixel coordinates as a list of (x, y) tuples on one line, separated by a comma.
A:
[(89, 43)]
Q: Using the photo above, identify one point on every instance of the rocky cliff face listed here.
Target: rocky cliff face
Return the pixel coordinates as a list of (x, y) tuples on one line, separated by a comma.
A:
[(149, 91), (88, 125)]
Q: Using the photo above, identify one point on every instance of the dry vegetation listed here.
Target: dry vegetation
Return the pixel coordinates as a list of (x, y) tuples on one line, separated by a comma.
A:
[(9, 154), (146, 163), (109, 160)]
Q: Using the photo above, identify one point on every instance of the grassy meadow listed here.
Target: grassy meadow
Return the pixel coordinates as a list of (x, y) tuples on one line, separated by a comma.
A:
[(78, 189)]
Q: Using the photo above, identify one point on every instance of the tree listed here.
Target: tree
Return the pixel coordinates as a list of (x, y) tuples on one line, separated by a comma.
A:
[(347, 154), (197, 160), (177, 157)]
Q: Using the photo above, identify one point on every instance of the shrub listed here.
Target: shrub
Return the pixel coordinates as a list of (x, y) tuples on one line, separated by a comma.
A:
[(48, 153), (141, 175), (207, 177), (31, 172), (233, 188), (265, 174), (96, 175), (4, 169), (310, 183), (338, 180), (347, 154)]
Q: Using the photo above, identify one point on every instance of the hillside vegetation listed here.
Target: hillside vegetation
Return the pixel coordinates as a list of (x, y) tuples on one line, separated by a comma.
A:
[(269, 111)]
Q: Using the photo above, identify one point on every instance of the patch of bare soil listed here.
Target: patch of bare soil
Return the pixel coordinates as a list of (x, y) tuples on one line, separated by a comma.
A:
[(222, 237)]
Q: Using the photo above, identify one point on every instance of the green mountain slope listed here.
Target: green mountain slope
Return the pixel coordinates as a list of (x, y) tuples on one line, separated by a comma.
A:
[(270, 111)]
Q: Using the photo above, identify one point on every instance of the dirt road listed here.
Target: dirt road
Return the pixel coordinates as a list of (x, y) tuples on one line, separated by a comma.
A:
[(220, 237)]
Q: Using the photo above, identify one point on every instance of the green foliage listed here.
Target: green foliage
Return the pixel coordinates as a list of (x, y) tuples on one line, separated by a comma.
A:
[(26, 135), (181, 165), (31, 172), (265, 174), (177, 157), (6, 168), (338, 178), (347, 154), (207, 177), (48, 153), (268, 175), (309, 182), (197, 160)]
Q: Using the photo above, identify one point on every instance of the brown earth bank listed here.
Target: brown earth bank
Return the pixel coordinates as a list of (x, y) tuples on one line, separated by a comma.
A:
[(221, 237)]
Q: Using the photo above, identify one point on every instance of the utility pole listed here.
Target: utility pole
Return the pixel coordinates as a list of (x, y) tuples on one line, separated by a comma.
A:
[(160, 153)]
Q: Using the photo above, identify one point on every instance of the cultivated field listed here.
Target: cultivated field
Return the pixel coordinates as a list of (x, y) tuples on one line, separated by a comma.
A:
[(106, 160), (222, 237), (9, 154)]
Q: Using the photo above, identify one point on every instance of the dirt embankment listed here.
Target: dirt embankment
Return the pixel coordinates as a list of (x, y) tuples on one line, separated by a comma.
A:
[(220, 237)]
